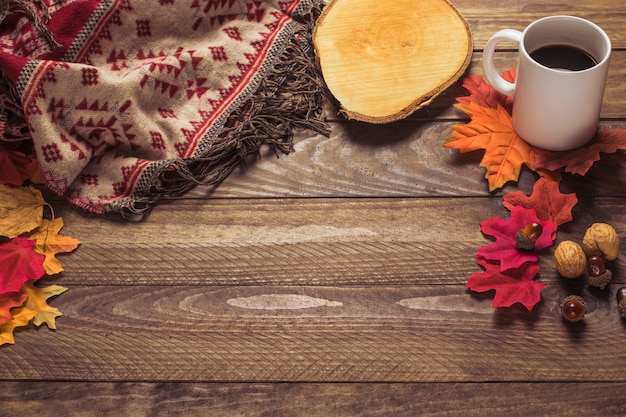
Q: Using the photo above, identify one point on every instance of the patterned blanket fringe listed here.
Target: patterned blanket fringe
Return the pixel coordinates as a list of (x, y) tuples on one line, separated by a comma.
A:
[(12, 126), (291, 97), (38, 18)]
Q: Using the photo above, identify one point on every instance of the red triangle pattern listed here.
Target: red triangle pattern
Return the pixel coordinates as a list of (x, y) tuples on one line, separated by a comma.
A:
[(142, 88)]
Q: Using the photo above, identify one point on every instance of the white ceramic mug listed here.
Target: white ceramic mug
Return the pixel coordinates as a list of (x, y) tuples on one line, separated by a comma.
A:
[(553, 108)]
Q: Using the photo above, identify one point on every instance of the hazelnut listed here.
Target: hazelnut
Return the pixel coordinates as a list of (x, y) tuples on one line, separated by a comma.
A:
[(601, 239), (570, 259), (573, 308)]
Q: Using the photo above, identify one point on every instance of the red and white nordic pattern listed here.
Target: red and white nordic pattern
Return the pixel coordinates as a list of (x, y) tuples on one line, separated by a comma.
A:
[(137, 83)]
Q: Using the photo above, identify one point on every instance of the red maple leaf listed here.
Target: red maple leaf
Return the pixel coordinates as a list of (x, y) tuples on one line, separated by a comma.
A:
[(18, 264), (7, 302), (578, 161), (503, 250), (484, 94), (547, 200), (16, 166), (513, 286)]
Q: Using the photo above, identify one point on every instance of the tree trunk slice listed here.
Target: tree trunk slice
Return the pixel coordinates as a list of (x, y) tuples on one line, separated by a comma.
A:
[(382, 60)]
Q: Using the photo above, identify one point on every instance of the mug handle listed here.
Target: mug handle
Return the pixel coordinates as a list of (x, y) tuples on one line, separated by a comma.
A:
[(493, 77)]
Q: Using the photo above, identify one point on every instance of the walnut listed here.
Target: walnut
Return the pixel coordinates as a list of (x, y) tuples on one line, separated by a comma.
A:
[(570, 259), (601, 239)]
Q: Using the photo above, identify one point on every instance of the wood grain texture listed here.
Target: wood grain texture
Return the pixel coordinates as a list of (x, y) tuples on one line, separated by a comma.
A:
[(428, 333), (309, 241), (314, 400), (302, 241), (405, 159), (487, 17), (369, 53), (330, 281)]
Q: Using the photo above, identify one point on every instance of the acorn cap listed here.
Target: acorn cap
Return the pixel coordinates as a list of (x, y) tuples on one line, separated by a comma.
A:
[(621, 301), (573, 308), (523, 242), (622, 308), (601, 280)]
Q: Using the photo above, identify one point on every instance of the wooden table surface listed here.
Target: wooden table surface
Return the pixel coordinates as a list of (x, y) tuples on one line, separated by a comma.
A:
[(332, 282)]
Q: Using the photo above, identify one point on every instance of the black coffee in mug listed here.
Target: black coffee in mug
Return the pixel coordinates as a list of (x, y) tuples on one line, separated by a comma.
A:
[(563, 57)]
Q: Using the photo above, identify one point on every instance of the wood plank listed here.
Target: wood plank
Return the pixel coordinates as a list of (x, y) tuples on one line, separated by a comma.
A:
[(405, 159), (423, 333), (303, 241), (311, 400), (342, 265), (395, 160), (487, 17), (240, 242)]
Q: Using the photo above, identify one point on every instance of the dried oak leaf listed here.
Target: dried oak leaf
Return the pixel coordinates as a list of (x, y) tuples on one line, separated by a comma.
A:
[(547, 200), (17, 167), (18, 264), (503, 250), (580, 160), (512, 286), (7, 302), (21, 210), (37, 301), (21, 317), (491, 129), (485, 95), (49, 243)]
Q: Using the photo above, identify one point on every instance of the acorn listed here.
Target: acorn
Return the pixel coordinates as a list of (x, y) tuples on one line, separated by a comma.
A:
[(573, 308), (597, 274), (621, 301), (525, 238)]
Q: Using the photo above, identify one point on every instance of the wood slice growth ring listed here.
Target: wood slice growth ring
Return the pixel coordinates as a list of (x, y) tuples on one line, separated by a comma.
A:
[(382, 60)]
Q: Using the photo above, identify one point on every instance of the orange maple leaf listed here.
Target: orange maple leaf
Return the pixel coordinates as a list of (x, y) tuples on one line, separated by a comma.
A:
[(8, 301), (49, 243), (21, 317), (491, 129)]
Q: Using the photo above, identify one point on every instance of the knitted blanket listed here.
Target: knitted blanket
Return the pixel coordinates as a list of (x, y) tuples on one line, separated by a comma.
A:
[(128, 101)]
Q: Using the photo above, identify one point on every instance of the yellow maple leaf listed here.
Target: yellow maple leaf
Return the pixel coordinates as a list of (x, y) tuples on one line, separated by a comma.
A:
[(37, 302), (21, 210), (49, 243), (491, 129), (21, 317)]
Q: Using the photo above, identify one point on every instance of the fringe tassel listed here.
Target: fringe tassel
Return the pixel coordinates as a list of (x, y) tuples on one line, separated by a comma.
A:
[(290, 98), (39, 18), (13, 127)]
